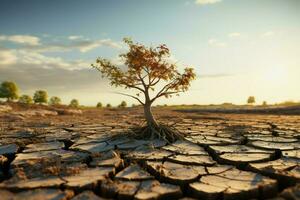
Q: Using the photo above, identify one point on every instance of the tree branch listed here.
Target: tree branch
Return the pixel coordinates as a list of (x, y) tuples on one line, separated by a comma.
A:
[(148, 74), (130, 96), (154, 83), (134, 86), (165, 88), (143, 82), (165, 93)]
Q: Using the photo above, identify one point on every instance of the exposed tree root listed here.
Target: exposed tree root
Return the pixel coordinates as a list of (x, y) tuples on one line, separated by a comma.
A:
[(167, 133)]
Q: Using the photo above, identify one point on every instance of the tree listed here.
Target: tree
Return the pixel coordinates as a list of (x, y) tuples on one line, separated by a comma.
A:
[(123, 104), (251, 100), (40, 96), (55, 101), (264, 103), (26, 99), (151, 75), (9, 90), (74, 103), (99, 105), (108, 105)]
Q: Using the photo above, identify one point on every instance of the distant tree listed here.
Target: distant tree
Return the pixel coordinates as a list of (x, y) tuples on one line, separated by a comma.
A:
[(9, 90), (148, 69), (251, 100), (55, 101), (74, 103), (264, 103), (133, 105), (123, 104), (26, 99), (289, 103), (40, 96), (99, 105), (108, 105), (227, 104)]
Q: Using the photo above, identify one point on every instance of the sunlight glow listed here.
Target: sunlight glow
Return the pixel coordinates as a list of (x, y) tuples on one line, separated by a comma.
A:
[(275, 75)]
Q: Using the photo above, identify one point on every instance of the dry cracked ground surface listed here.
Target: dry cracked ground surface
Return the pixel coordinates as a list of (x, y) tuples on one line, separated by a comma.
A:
[(88, 156)]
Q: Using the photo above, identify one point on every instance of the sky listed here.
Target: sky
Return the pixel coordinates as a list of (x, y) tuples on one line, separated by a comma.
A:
[(239, 48)]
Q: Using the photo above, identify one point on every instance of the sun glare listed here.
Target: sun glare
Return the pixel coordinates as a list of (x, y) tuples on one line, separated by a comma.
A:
[(275, 75)]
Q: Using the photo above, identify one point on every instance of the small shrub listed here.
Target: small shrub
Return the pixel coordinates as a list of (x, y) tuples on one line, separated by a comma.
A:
[(99, 105), (123, 104), (251, 100), (54, 101), (74, 103), (40, 96), (26, 99)]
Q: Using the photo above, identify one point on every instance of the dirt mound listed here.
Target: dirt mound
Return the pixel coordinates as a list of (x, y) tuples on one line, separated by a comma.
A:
[(5, 108), (68, 111)]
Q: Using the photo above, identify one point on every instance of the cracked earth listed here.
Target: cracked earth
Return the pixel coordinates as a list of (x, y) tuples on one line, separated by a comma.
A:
[(88, 156)]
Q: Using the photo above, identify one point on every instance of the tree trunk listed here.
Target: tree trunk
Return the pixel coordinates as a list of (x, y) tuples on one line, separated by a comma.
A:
[(149, 117)]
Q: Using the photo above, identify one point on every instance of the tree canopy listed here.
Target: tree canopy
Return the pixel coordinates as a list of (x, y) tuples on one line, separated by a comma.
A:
[(123, 104), (54, 101), (99, 105), (108, 105), (251, 100), (40, 96), (26, 99), (74, 103), (146, 68), (9, 90)]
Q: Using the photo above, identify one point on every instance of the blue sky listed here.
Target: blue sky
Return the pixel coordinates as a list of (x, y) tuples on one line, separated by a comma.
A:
[(238, 47)]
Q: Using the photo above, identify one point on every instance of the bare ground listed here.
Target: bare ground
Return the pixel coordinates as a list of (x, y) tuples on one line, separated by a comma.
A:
[(67, 155)]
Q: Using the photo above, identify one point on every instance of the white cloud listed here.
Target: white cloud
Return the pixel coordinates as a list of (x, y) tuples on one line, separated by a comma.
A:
[(21, 39), (28, 56), (25, 57), (78, 44), (234, 35), (75, 37), (204, 2), (34, 58), (216, 43), (33, 52), (172, 59), (212, 41), (75, 42), (268, 34), (7, 57), (27, 63), (118, 61), (88, 45)]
